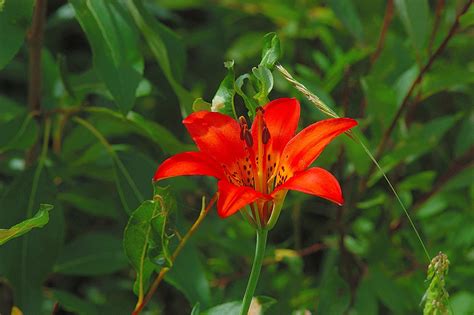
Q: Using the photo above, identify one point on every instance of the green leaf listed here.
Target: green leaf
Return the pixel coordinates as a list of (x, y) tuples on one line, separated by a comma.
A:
[(15, 18), (39, 220), (97, 206), (223, 100), (189, 276), (196, 309), (334, 288), (18, 133), (365, 299), (271, 50), (133, 178), (249, 102), (264, 303), (95, 253), (200, 104), (347, 13), (264, 80), (418, 142), (415, 16), (167, 50), (114, 42), (27, 261), (147, 221), (147, 128), (229, 308), (422, 181), (72, 303)]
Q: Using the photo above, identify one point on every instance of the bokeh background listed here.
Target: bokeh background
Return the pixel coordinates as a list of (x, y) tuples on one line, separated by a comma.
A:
[(404, 69)]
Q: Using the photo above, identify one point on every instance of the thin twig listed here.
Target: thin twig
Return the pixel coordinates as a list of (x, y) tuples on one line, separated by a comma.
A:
[(386, 136), (438, 13), (35, 43), (387, 19), (176, 252)]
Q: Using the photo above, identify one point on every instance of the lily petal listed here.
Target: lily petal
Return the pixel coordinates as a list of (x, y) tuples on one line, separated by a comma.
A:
[(281, 117), (216, 135), (308, 144), (188, 163), (315, 181), (233, 198)]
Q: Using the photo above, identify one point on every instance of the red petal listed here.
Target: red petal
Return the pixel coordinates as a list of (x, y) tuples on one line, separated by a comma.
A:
[(315, 181), (281, 116), (216, 135), (233, 198), (188, 163), (307, 145)]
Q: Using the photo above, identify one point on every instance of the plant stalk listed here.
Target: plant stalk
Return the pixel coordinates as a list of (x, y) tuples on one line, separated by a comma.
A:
[(256, 267)]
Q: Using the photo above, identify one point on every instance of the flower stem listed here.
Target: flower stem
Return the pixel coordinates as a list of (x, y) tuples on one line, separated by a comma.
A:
[(256, 267)]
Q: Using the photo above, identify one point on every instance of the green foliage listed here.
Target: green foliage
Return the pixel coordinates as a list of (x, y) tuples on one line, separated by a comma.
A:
[(118, 77), (14, 21), (39, 220)]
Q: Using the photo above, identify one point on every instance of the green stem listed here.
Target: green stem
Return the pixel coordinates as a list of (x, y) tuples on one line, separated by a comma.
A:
[(256, 267)]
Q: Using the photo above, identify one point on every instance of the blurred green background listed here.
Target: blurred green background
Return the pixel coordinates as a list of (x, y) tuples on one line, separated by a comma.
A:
[(131, 71)]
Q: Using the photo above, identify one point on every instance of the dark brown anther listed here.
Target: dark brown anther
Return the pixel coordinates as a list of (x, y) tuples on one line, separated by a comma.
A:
[(243, 127), (260, 109), (248, 138), (265, 135)]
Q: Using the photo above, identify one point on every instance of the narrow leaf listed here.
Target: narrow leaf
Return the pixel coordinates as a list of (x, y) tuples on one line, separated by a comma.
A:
[(39, 220), (114, 42)]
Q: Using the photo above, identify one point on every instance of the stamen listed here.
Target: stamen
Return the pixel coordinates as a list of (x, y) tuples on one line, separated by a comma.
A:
[(265, 135), (248, 138)]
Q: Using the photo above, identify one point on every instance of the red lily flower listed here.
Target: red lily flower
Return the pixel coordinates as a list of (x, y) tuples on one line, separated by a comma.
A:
[(257, 167)]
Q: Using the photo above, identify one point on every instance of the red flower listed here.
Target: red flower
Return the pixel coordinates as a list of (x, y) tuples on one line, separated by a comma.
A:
[(257, 166)]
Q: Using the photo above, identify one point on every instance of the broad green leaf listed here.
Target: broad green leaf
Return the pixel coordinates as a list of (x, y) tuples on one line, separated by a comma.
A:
[(15, 19), (84, 200), (18, 133), (348, 15), (114, 42), (422, 181), (147, 128), (388, 291), (136, 242), (244, 46), (365, 299), (27, 261), (419, 141), (147, 222), (200, 104), (134, 173), (95, 253), (40, 219), (271, 50), (264, 83), (333, 288), (196, 309), (9, 109), (249, 102), (167, 50), (415, 16), (223, 100), (229, 308), (447, 77), (189, 276), (72, 303), (465, 138)]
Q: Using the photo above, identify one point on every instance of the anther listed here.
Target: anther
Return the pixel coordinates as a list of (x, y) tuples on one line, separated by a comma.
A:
[(265, 135), (248, 138), (243, 127)]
